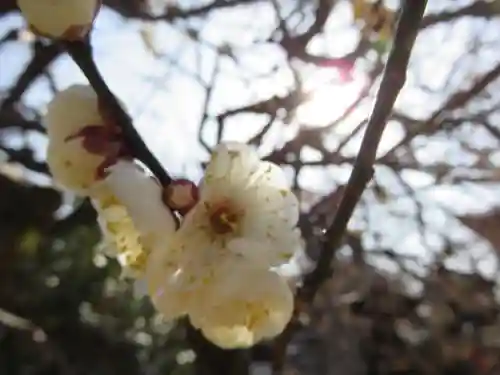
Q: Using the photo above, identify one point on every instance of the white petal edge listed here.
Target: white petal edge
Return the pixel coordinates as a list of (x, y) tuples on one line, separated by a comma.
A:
[(141, 195)]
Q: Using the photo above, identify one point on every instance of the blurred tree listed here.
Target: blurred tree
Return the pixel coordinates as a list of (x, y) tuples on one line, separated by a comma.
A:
[(413, 289)]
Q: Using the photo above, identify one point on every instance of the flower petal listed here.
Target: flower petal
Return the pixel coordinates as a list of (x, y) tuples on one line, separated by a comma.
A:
[(70, 111), (166, 285), (232, 164), (269, 174), (122, 240), (142, 197), (255, 306), (261, 253), (282, 204), (72, 166)]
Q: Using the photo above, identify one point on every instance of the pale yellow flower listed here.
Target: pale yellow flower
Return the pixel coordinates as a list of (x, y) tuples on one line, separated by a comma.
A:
[(69, 162), (245, 212), (243, 225), (245, 208), (60, 19)]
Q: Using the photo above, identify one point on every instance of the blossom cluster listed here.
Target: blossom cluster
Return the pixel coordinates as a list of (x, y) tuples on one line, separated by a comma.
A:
[(219, 263), (214, 252)]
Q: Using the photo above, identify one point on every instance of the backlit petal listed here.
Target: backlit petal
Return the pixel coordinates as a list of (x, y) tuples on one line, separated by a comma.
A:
[(141, 195)]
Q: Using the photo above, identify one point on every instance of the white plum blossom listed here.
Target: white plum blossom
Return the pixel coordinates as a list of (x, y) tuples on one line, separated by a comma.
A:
[(245, 208), (60, 19), (224, 266), (69, 162), (243, 225), (74, 160), (132, 216)]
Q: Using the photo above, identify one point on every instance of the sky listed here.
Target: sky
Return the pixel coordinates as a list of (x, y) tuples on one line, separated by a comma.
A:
[(166, 103)]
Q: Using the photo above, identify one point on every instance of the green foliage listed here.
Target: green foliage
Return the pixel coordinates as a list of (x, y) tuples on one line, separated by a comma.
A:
[(72, 296)]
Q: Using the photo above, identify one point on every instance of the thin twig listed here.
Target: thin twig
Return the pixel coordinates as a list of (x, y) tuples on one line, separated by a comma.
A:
[(458, 100), (42, 58), (392, 82), (393, 79), (81, 53)]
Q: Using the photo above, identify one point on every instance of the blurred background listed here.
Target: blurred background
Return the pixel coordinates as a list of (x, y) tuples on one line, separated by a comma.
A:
[(415, 284)]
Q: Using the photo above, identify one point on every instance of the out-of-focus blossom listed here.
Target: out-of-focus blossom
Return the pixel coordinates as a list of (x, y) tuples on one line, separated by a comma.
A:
[(377, 20), (81, 140), (60, 19)]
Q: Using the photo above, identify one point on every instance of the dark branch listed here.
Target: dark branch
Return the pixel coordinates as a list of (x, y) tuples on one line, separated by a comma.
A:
[(210, 358), (134, 9), (43, 57), (24, 157), (81, 53), (439, 118), (174, 13), (483, 9), (11, 118), (392, 82)]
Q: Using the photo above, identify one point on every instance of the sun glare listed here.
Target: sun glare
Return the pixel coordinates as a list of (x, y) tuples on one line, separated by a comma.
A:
[(328, 102)]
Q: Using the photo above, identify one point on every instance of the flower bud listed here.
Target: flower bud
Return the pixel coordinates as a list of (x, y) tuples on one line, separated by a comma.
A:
[(69, 160), (60, 19), (181, 195)]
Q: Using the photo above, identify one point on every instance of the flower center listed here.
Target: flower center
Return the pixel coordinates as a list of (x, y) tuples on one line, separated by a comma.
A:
[(224, 219)]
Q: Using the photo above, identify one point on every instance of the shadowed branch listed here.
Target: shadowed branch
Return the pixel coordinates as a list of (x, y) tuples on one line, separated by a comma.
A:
[(393, 79), (81, 52)]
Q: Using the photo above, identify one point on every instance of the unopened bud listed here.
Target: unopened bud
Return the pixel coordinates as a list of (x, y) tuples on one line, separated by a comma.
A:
[(181, 195)]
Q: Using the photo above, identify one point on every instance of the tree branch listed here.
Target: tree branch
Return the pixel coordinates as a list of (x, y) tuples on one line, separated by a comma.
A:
[(134, 9), (393, 79), (25, 157), (42, 58), (438, 119), (479, 9), (81, 52)]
